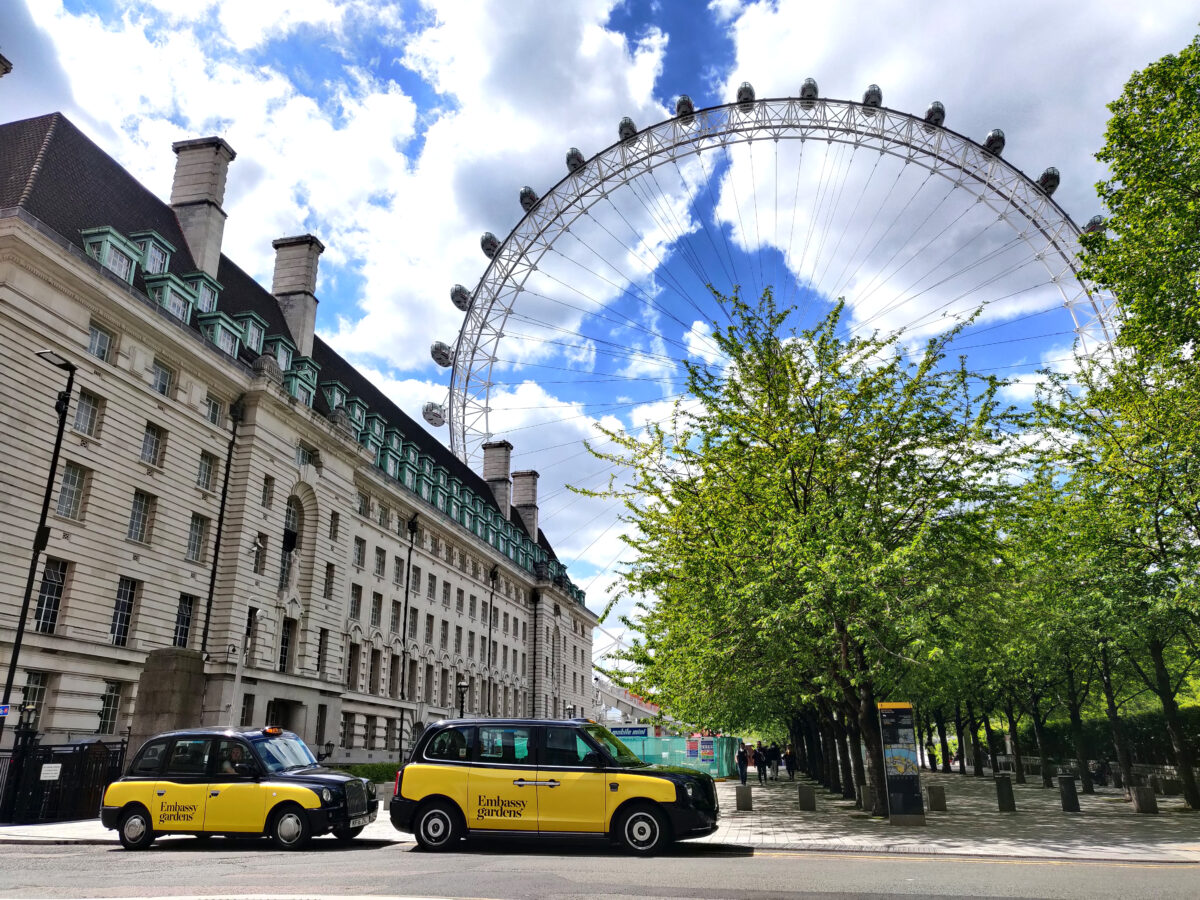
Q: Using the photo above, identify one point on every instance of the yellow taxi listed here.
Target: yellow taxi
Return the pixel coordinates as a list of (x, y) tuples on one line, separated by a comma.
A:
[(546, 778), (235, 782)]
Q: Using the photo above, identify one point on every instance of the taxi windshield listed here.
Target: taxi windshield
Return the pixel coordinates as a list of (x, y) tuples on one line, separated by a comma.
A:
[(280, 752), (618, 751)]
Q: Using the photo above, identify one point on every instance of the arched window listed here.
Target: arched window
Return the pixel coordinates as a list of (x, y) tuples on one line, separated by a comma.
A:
[(293, 521)]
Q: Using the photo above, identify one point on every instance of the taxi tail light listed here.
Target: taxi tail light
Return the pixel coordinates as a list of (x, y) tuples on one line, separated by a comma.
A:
[(399, 778)]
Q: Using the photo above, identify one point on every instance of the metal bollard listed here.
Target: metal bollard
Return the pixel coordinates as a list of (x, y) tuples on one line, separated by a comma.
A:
[(1066, 791), (745, 799), (807, 795), (937, 797), (1004, 794)]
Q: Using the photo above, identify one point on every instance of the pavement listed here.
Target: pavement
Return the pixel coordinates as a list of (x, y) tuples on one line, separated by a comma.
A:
[(1106, 828)]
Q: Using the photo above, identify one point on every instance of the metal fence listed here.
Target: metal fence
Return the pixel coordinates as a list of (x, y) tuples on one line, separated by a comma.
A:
[(57, 782)]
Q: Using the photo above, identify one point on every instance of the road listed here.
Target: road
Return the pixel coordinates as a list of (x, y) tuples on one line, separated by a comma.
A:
[(187, 867)]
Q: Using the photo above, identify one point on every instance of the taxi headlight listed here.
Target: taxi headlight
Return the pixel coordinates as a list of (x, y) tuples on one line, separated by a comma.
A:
[(690, 789), (326, 795), (371, 788)]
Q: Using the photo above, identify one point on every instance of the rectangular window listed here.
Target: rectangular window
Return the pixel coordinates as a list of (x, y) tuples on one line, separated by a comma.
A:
[(458, 639), (373, 671), (415, 579), (153, 440), (226, 339), (470, 644), (161, 378), (140, 517), (360, 552), (206, 472), (283, 356), (260, 554), (99, 342), (445, 634), (127, 591), (322, 715), (380, 562), (346, 734), (70, 494), (431, 587), (110, 707), (247, 718), (458, 601), (214, 409), (178, 306), (254, 336), (504, 627), (268, 491), (197, 538), (54, 579), (355, 601), (429, 628), (119, 262), (364, 505), (327, 588), (206, 297), (353, 662), (505, 743), (398, 571), (369, 735), (471, 607), (412, 624), (322, 654), (376, 609), (36, 686), (305, 455), (445, 593), (389, 734), (385, 516), (287, 639), (335, 523), (522, 663), (87, 414), (394, 625), (183, 620)]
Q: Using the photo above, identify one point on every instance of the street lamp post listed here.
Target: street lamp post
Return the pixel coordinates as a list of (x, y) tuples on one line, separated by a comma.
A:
[(412, 537), (462, 694), (42, 535)]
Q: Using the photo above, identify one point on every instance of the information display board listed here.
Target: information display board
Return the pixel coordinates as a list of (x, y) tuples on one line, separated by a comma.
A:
[(905, 805)]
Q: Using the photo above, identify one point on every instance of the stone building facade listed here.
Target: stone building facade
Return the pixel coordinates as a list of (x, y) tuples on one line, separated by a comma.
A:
[(230, 485)]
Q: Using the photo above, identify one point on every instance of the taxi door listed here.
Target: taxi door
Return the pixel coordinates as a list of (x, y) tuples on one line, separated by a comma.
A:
[(236, 802), (179, 798), (502, 785), (571, 783)]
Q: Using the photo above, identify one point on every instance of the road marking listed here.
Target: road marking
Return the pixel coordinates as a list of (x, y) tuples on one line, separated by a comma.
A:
[(998, 860)]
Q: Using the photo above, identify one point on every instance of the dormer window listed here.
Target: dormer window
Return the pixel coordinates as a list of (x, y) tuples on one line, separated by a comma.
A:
[(221, 330), (254, 336), (205, 289), (283, 356), (335, 393), (155, 253), (112, 250), (171, 294)]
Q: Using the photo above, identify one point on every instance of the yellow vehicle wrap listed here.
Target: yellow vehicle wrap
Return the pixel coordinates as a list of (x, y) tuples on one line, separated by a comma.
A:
[(635, 787)]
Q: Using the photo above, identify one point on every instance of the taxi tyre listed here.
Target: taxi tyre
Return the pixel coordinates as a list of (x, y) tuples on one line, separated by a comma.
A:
[(643, 829), (289, 828), (437, 825), (345, 835), (134, 830)]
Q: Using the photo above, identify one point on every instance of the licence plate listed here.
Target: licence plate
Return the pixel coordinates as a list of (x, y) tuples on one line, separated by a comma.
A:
[(360, 821)]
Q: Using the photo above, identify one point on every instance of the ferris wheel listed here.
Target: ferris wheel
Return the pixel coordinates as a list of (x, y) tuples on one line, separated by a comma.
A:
[(601, 288)]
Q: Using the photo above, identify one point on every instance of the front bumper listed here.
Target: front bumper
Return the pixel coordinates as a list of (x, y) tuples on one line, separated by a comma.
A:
[(690, 822)]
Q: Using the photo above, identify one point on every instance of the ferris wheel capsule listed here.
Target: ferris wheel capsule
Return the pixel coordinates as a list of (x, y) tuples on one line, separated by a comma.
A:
[(1048, 181), (745, 96), (434, 414), (529, 198), (1095, 223), (994, 142), (574, 160), (685, 109), (626, 129), (460, 297), (936, 114), (872, 98), (489, 244), (808, 93), (441, 353)]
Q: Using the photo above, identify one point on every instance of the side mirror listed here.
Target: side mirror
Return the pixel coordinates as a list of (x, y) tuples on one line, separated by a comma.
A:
[(245, 769), (593, 760)]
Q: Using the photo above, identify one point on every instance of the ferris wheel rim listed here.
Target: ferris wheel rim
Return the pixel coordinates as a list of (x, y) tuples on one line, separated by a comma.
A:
[(910, 138)]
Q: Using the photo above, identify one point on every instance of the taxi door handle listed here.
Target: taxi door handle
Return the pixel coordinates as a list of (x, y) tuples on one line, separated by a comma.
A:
[(521, 782), (214, 793), (551, 783), (160, 793)]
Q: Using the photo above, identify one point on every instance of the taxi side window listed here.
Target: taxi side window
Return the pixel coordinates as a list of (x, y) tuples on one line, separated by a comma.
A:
[(452, 745), (150, 760), (564, 747), (231, 754), (505, 744), (188, 757)]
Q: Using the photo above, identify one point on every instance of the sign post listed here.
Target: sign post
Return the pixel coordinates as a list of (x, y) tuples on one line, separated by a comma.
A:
[(905, 805)]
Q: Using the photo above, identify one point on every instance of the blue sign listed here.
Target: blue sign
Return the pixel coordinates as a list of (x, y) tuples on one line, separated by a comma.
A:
[(3, 711), (631, 730)]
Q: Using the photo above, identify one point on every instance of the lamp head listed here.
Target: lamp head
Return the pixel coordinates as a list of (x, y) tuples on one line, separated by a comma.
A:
[(56, 359)]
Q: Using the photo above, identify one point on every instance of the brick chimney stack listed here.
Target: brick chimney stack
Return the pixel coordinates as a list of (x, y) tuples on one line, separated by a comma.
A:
[(197, 194), (496, 458), (524, 498), (295, 286)]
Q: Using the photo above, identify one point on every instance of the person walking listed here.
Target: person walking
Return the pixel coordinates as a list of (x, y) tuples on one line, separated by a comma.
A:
[(773, 758), (789, 762), (760, 763), (743, 761)]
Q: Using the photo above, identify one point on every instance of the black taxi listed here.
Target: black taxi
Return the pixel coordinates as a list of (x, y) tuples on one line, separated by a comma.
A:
[(547, 778), (237, 782)]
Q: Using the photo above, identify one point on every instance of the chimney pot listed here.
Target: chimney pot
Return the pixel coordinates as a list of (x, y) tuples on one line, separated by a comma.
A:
[(496, 458), (201, 166)]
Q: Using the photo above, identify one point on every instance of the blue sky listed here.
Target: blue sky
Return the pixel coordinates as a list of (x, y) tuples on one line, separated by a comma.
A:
[(398, 133)]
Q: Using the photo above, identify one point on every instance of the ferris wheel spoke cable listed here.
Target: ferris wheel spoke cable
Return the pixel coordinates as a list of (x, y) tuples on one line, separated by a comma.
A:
[(679, 236), (731, 180), (834, 208), (757, 232), (814, 216), (841, 280), (703, 219), (619, 319), (732, 270), (973, 330), (787, 249)]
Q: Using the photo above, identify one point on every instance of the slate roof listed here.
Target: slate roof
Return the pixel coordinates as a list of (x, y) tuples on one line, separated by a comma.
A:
[(53, 171)]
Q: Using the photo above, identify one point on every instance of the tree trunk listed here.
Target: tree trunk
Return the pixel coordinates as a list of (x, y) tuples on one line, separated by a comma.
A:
[(854, 736), (843, 747), (1018, 762), (1035, 712), (940, 718), (829, 752), (962, 747), (976, 752), (1074, 702), (1120, 744), (990, 737), (1179, 741), (868, 725)]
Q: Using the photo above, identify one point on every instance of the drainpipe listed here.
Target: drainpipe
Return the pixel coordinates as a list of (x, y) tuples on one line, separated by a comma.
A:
[(235, 412), (412, 536)]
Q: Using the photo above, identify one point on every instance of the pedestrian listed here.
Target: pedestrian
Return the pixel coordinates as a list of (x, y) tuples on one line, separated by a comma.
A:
[(760, 763), (773, 758), (789, 762), (743, 761)]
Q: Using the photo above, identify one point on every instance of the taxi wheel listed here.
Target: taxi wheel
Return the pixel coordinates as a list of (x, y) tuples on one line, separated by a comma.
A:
[(643, 830), (289, 828), (135, 831), (437, 826), (345, 835)]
